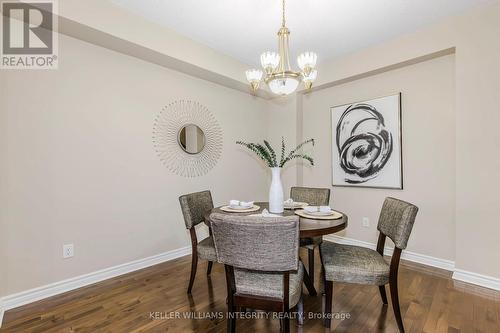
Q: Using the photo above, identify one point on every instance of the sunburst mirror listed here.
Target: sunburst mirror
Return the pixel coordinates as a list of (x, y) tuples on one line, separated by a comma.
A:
[(187, 138)]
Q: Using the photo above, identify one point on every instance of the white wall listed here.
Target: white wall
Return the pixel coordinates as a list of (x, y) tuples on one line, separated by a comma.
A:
[(428, 117), (82, 169)]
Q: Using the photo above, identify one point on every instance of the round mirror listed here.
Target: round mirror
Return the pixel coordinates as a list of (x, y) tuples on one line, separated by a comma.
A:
[(191, 139)]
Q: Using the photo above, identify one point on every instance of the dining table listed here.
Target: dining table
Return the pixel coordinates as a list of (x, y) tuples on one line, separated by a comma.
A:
[(308, 227)]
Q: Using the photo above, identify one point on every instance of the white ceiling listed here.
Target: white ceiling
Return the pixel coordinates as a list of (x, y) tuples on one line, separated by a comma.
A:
[(244, 29)]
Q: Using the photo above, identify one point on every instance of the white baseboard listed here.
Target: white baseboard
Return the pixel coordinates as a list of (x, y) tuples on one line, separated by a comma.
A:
[(407, 255), (458, 274), (477, 279), (36, 294), (1, 312)]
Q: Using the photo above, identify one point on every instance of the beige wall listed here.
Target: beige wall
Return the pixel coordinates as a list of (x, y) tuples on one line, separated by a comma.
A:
[(428, 152), (478, 138), (282, 122), (82, 169), (78, 164), (3, 192), (477, 119)]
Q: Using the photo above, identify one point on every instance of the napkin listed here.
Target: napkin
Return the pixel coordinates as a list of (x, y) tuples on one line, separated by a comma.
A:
[(325, 209), (234, 202), (311, 209), (265, 213), (245, 204), (289, 202)]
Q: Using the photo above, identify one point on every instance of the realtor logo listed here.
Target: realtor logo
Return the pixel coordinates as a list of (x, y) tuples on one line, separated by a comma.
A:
[(29, 38)]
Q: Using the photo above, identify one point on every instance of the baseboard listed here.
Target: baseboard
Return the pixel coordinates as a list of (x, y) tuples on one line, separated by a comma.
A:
[(477, 279), (407, 255), (458, 274), (36, 294), (1, 312)]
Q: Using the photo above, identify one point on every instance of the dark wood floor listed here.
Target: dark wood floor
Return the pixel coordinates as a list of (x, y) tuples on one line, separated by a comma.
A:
[(430, 302)]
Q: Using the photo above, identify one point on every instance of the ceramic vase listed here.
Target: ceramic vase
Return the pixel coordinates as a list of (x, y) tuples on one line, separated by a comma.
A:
[(276, 192)]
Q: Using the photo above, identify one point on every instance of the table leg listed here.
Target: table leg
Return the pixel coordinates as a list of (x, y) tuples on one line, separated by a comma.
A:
[(309, 284)]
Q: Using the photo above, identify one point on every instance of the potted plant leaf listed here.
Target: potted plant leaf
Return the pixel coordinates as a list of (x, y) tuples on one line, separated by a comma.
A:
[(267, 153)]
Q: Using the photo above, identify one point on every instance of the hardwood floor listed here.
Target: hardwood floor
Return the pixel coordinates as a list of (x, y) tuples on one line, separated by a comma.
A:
[(141, 302)]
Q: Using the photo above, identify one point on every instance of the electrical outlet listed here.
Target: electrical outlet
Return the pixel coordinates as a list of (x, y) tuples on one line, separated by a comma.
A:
[(68, 250), (366, 222)]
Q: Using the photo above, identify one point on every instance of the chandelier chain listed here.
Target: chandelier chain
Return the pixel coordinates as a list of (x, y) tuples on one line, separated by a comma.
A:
[(283, 15)]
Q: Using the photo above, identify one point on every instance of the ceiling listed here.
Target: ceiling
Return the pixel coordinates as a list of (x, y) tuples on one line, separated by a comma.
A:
[(244, 29)]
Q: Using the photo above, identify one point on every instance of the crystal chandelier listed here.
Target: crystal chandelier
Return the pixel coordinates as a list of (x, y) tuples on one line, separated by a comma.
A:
[(279, 76)]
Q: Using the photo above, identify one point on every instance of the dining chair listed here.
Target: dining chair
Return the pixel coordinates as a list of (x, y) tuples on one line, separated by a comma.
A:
[(194, 206), (355, 264), (314, 197), (261, 259)]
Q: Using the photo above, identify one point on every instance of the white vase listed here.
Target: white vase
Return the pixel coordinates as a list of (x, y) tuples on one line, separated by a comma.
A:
[(276, 192)]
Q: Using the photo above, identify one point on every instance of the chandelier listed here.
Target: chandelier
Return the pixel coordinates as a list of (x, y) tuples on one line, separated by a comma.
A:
[(279, 76)]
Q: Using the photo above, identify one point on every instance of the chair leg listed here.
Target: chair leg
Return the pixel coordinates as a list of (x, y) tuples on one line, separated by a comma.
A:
[(310, 253), (395, 303), (327, 314), (383, 295), (323, 278), (209, 267), (231, 319), (286, 323), (300, 311), (194, 265)]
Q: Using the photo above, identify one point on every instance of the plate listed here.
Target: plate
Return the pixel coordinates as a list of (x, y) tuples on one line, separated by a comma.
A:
[(231, 210), (320, 213), (240, 207), (334, 216), (296, 205)]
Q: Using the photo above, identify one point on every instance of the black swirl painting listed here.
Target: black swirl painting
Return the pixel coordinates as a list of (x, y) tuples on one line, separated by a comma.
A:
[(367, 143)]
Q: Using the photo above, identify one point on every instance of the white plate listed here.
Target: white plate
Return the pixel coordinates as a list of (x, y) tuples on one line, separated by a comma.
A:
[(240, 207), (320, 213), (334, 216), (246, 210)]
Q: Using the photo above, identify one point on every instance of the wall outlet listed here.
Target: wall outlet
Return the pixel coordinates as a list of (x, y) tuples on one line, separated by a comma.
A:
[(366, 222), (68, 250)]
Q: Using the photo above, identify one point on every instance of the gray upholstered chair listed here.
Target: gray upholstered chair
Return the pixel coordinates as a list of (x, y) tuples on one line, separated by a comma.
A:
[(261, 258), (314, 197), (194, 206), (354, 264)]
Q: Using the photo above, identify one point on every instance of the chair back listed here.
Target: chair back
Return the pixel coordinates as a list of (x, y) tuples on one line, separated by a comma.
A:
[(313, 196), (257, 243), (194, 206), (396, 221)]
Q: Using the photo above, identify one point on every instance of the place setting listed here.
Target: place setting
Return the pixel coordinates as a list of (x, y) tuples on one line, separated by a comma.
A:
[(318, 213), (237, 206), (292, 205)]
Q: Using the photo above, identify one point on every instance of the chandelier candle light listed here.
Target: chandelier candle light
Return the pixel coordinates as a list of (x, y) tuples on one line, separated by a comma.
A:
[(279, 76)]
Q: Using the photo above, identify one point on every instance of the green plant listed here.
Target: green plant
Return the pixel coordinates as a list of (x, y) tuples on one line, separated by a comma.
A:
[(268, 154)]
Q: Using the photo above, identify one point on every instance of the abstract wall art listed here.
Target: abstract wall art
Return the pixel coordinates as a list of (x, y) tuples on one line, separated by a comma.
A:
[(366, 143)]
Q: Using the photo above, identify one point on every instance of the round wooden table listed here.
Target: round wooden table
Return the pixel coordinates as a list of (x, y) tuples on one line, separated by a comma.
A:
[(308, 228)]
